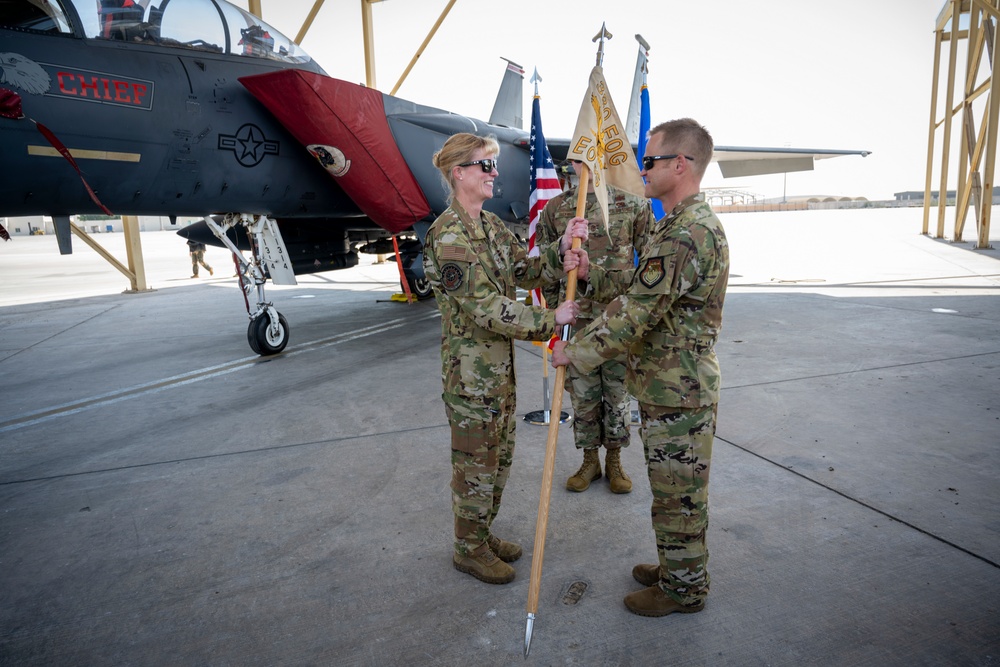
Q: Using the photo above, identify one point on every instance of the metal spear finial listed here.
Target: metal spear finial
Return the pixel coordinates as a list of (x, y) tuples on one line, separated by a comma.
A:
[(602, 35), (529, 626), (535, 79)]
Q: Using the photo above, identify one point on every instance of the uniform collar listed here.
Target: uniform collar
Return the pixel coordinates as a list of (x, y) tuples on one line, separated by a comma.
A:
[(474, 227), (690, 201), (681, 206)]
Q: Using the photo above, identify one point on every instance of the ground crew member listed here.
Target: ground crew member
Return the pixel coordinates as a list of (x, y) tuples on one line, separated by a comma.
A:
[(197, 251)]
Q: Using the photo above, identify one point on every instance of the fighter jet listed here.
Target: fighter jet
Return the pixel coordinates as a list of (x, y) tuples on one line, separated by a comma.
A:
[(197, 108)]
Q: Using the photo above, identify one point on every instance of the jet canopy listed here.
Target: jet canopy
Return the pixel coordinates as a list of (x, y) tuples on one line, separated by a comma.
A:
[(205, 25)]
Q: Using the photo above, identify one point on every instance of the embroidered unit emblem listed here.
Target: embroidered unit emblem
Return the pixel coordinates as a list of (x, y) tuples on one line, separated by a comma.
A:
[(652, 273), (452, 276)]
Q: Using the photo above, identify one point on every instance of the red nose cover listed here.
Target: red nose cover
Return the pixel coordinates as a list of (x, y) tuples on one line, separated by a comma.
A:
[(343, 125)]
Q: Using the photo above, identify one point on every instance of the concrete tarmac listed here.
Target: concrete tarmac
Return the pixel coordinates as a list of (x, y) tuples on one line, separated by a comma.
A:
[(169, 498)]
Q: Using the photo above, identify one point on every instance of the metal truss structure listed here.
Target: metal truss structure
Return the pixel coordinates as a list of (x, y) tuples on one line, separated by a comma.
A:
[(974, 22)]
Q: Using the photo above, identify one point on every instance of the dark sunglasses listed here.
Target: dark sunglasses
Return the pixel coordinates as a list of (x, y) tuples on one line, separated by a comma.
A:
[(649, 160), (487, 165)]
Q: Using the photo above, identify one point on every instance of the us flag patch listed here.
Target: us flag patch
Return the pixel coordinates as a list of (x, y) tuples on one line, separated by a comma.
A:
[(457, 253)]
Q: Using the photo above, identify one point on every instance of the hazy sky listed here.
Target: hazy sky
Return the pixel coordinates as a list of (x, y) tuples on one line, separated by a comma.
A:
[(853, 74)]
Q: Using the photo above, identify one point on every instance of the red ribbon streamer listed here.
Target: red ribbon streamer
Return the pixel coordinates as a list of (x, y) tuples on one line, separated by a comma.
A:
[(10, 107), (58, 145)]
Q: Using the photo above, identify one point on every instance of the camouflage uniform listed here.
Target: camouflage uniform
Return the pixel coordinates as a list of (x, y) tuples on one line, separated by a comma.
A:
[(197, 251), (600, 400), (668, 319), (474, 266)]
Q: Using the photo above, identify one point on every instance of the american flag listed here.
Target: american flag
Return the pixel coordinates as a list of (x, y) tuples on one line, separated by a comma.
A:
[(544, 184)]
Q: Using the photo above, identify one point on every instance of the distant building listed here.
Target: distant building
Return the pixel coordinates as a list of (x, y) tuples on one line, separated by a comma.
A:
[(917, 196), (38, 224)]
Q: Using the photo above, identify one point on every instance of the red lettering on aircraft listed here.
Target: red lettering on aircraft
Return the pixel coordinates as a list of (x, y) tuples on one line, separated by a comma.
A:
[(97, 87), (140, 92), (121, 91)]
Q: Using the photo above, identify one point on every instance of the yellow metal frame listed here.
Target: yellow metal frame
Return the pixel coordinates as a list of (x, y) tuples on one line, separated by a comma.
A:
[(977, 150), (368, 34), (136, 269)]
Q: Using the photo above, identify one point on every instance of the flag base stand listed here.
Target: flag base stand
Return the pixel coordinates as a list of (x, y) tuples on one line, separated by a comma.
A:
[(542, 417)]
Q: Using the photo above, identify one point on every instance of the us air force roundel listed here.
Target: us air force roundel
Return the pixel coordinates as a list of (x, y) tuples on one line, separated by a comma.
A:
[(452, 276), (652, 273)]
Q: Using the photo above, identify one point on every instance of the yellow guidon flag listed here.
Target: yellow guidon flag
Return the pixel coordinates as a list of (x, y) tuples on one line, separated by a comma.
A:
[(600, 141)]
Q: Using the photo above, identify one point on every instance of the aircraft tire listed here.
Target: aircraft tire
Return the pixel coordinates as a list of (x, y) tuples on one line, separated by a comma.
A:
[(251, 336), (422, 288), (262, 343)]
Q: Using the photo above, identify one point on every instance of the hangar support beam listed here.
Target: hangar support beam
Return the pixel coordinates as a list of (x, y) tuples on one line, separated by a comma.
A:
[(976, 164), (136, 269)]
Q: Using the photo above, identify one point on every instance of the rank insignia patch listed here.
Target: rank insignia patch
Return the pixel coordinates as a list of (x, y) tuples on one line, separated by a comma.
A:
[(652, 273), (452, 276)]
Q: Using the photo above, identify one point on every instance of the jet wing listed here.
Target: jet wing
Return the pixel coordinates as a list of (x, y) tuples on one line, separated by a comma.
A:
[(737, 161)]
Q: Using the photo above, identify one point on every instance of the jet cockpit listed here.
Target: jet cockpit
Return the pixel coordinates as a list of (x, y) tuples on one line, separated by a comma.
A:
[(204, 25)]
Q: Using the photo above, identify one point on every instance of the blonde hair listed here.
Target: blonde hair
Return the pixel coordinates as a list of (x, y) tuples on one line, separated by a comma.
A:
[(457, 149), (686, 135)]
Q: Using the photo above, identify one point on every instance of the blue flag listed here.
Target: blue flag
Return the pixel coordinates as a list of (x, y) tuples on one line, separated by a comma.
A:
[(644, 123)]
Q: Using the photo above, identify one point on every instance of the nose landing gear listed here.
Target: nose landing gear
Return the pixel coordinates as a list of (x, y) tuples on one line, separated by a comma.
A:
[(268, 330)]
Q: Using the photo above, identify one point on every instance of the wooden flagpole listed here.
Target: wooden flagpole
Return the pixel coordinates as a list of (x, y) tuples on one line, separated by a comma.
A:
[(542, 522)]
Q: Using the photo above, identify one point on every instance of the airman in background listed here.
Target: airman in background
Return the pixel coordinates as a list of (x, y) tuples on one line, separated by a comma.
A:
[(601, 412), (197, 251)]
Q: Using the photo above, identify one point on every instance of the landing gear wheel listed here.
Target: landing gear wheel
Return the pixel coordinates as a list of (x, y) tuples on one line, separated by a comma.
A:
[(259, 336), (421, 287)]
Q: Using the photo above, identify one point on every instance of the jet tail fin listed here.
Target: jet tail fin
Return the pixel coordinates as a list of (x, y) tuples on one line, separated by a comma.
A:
[(508, 110), (638, 81)]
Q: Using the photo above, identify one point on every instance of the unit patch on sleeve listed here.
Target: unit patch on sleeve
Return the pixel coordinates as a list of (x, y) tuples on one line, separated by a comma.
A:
[(652, 273), (452, 276)]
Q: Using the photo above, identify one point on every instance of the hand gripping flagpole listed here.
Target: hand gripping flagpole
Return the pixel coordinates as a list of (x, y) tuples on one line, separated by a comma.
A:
[(542, 522)]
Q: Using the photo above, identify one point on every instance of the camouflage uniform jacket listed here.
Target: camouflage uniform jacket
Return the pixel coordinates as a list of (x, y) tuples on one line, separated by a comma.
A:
[(612, 249), (474, 266), (669, 316)]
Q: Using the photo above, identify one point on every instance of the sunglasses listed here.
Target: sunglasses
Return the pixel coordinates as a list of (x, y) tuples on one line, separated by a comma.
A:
[(649, 160), (487, 165)]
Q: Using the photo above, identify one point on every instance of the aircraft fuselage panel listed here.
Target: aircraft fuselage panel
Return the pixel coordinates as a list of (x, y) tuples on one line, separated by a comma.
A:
[(153, 132)]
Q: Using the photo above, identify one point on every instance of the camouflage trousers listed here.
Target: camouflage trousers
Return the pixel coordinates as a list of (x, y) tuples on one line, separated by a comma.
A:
[(678, 449), (198, 257), (482, 450), (600, 406)]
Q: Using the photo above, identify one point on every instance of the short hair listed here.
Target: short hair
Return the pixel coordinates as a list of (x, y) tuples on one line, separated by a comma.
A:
[(457, 149), (687, 136)]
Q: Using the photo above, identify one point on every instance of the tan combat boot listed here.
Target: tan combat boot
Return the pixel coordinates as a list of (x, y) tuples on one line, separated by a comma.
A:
[(588, 472), (506, 551), (620, 482), (647, 575), (484, 565), (653, 601)]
